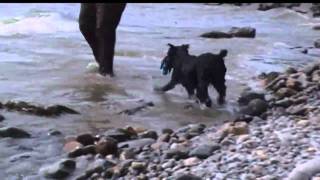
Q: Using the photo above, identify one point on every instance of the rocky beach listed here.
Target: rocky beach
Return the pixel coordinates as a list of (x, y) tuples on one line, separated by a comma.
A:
[(62, 122)]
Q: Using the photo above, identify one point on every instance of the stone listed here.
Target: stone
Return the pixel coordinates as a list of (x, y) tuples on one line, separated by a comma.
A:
[(239, 128), (310, 68), (261, 154), (192, 161), (187, 177), (13, 132), (299, 110), (160, 146), (216, 34), (106, 146), (293, 84), (303, 123), (53, 132), (164, 137), (139, 166), (242, 138), (306, 170), (85, 139), (60, 109), (286, 102), (90, 149), (168, 164), (291, 70), (120, 135), (71, 146), (285, 92), (60, 169), (247, 96), (176, 154), (244, 32), (149, 134), (167, 131), (269, 77), (127, 154), (203, 151), (256, 107), (138, 143), (315, 77), (98, 166)]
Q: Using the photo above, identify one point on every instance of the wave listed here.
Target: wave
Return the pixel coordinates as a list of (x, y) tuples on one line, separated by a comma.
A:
[(37, 23)]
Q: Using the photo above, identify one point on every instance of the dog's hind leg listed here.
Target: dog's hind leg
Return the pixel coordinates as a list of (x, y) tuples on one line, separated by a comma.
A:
[(166, 87), (221, 89), (203, 95)]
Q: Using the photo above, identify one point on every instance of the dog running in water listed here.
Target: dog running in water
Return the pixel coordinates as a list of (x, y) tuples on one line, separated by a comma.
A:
[(195, 73)]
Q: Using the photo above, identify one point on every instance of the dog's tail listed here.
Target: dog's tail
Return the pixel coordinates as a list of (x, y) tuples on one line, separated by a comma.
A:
[(223, 53)]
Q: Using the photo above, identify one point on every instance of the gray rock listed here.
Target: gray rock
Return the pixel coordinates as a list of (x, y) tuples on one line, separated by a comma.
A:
[(255, 108), (85, 139), (286, 102), (308, 70), (58, 170), (90, 149), (149, 134), (139, 143), (120, 135), (247, 96), (187, 177), (306, 171), (204, 151), (53, 132), (244, 32), (98, 166), (13, 132), (176, 154), (167, 131), (216, 34), (285, 92), (106, 146)]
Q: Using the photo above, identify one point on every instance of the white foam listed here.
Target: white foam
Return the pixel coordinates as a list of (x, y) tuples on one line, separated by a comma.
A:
[(50, 23)]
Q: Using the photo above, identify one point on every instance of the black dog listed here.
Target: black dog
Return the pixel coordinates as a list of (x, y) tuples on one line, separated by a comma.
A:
[(195, 72)]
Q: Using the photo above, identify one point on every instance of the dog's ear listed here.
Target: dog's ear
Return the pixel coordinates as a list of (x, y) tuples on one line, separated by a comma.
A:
[(170, 45), (186, 46), (223, 53)]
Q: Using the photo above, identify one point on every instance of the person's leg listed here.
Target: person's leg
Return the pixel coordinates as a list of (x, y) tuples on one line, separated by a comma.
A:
[(108, 18), (87, 26)]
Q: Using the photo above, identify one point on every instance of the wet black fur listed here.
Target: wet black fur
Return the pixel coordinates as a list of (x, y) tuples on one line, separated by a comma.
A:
[(195, 73)]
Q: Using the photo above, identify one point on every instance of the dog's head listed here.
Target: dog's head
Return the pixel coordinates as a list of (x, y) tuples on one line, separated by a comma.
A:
[(168, 62)]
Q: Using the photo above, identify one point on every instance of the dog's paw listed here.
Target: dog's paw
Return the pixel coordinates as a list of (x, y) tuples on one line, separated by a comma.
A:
[(203, 106)]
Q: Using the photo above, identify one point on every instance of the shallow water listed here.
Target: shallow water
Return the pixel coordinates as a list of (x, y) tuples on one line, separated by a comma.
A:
[(43, 59)]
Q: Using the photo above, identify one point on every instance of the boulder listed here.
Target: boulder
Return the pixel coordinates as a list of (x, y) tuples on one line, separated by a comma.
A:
[(85, 139), (243, 32), (247, 96), (120, 135), (255, 107), (203, 151), (138, 143), (13, 132), (106, 146), (59, 170), (149, 134), (285, 92), (216, 34)]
